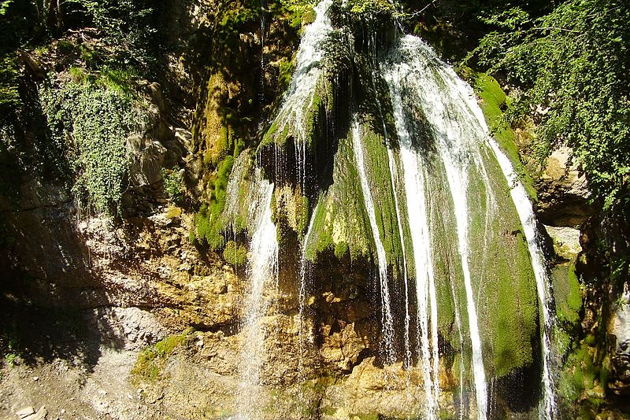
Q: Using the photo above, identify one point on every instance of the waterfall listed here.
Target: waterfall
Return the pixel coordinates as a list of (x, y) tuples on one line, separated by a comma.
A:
[(460, 132), (304, 274), (439, 173), (457, 182), (528, 220), (301, 92), (387, 320), (261, 270), (414, 74), (420, 238), (393, 169)]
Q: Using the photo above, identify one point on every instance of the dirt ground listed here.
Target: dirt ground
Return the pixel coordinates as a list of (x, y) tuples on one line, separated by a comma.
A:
[(72, 392)]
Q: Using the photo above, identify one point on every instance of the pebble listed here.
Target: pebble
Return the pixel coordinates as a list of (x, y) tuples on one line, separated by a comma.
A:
[(41, 414), (25, 412)]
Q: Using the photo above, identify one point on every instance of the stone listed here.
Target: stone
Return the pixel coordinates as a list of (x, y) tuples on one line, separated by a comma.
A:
[(25, 412), (566, 241), (619, 329), (42, 414), (563, 192)]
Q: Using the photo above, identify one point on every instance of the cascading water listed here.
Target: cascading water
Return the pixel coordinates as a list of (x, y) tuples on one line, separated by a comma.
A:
[(387, 320), (528, 220), (292, 114), (393, 169), (443, 150), (301, 92), (261, 271), (420, 238), (459, 130)]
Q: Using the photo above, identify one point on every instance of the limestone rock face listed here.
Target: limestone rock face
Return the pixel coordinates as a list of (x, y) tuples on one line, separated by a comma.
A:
[(619, 328), (566, 241), (563, 191)]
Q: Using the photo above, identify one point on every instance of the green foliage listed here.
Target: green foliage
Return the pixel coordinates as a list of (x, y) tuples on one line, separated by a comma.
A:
[(127, 26), (571, 63), (9, 73), (173, 184), (300, 11), (286, 68), (371, 6), (4, 6), (98, 121), (10, 358)]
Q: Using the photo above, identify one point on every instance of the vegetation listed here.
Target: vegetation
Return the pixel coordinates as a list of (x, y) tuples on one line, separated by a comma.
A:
[(571, 65), (173, 184), (208, 221), (98, 118), (125, 30), (151, 360), (235, 254), (493, 101)]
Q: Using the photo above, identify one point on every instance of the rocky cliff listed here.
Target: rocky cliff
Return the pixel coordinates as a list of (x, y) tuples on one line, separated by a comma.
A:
[(128, 207)]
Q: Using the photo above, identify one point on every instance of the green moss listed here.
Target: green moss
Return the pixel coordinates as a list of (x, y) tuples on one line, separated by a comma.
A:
[(580, 373), (151, 361), (493, 99), (567, 293), (507, 301), (78, 74), (174, 187), (286, 126), (209, 222), (235, 254)]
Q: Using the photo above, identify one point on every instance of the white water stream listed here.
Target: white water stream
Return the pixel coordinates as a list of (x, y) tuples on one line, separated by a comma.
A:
[(300, 93), (387, 320), (460, 131), (262, 270)]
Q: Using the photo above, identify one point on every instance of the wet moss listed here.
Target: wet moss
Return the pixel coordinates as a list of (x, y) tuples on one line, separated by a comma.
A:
[(211, 130), (235, 254), (567, 293), (493, 101), (209, 224), (340, 217), (507, 301), (341, 223)]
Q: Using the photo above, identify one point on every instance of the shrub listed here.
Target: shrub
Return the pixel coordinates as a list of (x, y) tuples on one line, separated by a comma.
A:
[(93, 124), (173, 184)]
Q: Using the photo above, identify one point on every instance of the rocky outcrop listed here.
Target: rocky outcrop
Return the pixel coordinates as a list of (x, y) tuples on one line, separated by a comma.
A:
[(563, 191), (619, 332)]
